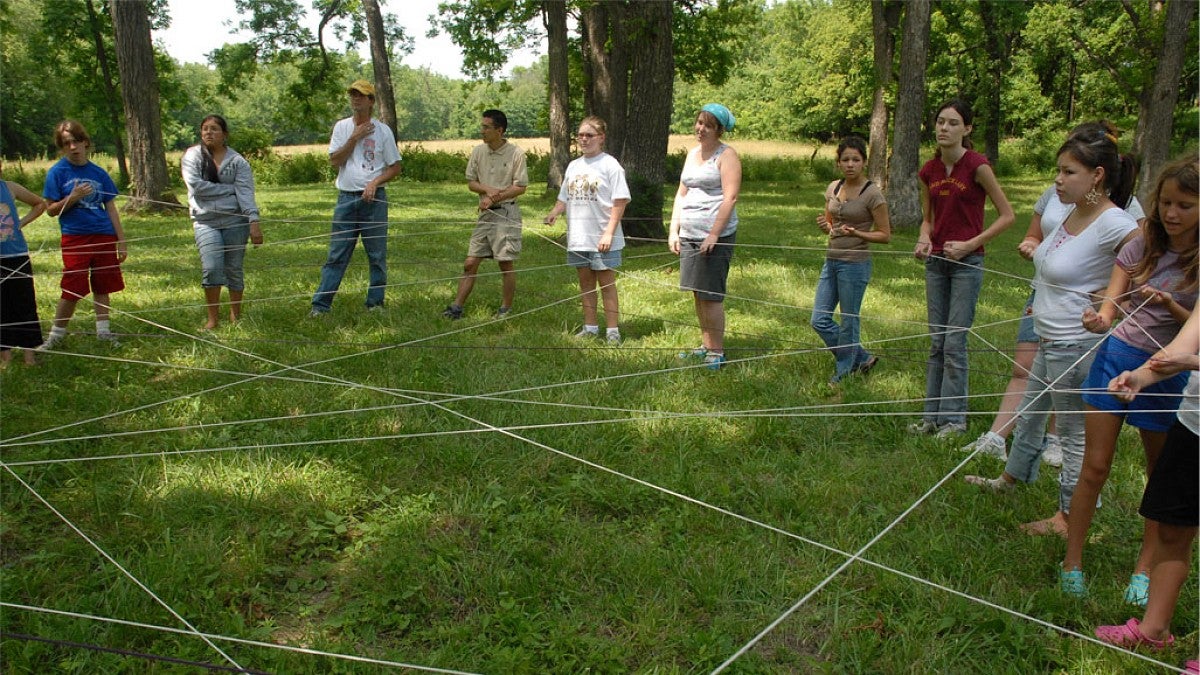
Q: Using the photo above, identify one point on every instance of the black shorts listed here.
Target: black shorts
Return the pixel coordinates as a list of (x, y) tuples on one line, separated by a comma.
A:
[(1173, 492), (705, 275)]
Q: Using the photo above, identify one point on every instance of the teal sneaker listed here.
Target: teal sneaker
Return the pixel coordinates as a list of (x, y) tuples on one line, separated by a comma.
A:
[(1071, 583), (1138, 590), (697, 353)]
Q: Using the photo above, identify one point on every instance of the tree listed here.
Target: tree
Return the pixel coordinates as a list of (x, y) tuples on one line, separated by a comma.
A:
[(139, 92), (560, 92), (1002, 24), (885, 17), (381, 63), (1153, 135), (903, 193), (648, 116)]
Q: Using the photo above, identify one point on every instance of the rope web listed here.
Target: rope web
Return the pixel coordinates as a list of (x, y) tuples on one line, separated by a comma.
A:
[(53, 446)]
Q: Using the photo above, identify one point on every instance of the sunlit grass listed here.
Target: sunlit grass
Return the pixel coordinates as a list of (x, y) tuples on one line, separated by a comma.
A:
[(485, 552)]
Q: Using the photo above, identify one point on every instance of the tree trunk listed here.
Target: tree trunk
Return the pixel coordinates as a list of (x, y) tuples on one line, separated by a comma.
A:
[(555, 12), (1156, 106), (994, 44), (110, 93), (606, 43), (651, 47), (885, 16), (903, 193), (382, 65), (139, 91)]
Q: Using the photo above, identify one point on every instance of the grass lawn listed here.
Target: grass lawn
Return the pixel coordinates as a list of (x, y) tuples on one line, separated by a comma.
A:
[(495, 496)]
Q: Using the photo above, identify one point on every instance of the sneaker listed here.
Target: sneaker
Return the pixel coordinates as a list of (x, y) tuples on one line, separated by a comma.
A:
[(1052, 451), (697, 353), (108, 337), (585, 334), (453, 312), (922, 427), (503, 312), (989, 443), (1071, 583), (375, 308), (1138, 590), (51, 342), (950, 429), (613, 338), (714, 361), (317, 313), (1129, 635), (993, 484)]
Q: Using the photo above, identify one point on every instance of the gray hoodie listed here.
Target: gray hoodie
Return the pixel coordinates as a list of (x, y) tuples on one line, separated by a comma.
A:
[(225, 203)]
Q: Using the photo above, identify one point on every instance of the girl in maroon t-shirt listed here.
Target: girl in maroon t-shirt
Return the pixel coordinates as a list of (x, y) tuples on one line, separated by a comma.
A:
[(954, 186)]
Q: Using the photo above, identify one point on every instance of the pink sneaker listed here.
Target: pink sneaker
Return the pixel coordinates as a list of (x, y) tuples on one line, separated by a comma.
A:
[(1130, 635)]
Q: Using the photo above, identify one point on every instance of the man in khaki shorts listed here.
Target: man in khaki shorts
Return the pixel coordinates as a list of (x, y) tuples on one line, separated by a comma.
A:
[(496, 172)]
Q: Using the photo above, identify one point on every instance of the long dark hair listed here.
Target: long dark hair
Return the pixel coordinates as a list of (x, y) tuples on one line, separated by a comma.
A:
[(968, 117), (209, 170), (1186, 174), (1093, 145)]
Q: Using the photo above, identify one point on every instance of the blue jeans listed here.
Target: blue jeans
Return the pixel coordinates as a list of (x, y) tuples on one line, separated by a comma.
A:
[(222, 250), (842, 284), (352, 218), (1058, 373), (951, 291)]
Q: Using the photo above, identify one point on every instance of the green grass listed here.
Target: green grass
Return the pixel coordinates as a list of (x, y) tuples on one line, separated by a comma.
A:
[(487, 552)]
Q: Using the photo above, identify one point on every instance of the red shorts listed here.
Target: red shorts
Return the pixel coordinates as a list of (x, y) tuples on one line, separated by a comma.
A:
[(90, 263)]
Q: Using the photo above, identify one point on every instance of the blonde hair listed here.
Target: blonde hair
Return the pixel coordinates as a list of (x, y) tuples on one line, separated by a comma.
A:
[(1186, 174), (596, 123)]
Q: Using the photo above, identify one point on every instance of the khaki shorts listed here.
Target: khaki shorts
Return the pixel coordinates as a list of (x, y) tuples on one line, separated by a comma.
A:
[(498, 234)]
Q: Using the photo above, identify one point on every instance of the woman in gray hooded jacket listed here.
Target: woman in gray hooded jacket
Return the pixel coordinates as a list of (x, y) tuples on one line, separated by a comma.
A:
[(224, 215)]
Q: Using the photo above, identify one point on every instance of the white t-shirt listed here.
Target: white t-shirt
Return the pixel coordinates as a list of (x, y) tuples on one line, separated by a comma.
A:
[(1189, 405), (589, 187), (371, 155), (1070, 268)]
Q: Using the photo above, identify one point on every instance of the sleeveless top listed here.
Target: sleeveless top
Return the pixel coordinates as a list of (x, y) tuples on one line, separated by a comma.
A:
[(698, 207), (12, 241)]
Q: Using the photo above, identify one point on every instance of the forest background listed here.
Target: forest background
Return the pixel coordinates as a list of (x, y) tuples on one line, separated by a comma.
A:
[(795, 71)]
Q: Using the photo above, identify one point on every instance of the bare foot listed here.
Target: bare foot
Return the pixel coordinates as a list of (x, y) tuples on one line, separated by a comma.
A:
[(29, 356), (210, 325), (1056, 524)]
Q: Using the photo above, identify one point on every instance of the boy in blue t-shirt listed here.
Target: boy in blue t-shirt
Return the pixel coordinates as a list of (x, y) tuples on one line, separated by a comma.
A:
[(81, 194)]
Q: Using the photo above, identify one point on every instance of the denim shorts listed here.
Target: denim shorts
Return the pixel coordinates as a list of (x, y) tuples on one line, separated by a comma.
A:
[(1027, 331), (594, 260), (1153, 409)]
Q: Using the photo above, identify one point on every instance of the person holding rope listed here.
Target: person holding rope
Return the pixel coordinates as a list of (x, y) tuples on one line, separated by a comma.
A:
[(1154, 285), (19, 324), (1071, 263), (1172, 496), (82, 196), (224, 214), (364, 151), (954, 186), (704, 227), (594, 194), (856, 214), (1048, 213), (497, 173)]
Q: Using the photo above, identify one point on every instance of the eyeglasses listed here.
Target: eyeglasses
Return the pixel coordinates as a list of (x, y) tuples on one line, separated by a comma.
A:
[(586, 137)]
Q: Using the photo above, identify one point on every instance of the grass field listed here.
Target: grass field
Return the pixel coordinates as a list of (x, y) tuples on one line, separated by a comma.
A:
[(495, 496)]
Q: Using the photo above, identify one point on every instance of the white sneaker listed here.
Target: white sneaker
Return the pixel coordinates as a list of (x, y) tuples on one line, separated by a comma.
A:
[(988, 443), (922, 427), (1052, 450), (950, 429), (585, 334), (51, 342), (613, 338), (993, 484), (108, 337)]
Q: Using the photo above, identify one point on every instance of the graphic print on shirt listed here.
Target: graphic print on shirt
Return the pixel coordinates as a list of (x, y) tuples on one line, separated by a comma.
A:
[(368, 163), (93, 201), (8, 223), (584, 188)]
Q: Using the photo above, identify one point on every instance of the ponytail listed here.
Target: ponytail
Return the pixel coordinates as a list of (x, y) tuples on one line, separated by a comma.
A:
[(1121, 185)]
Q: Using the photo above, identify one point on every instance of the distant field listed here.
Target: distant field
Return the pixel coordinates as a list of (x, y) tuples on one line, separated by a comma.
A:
[(542, 145)]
